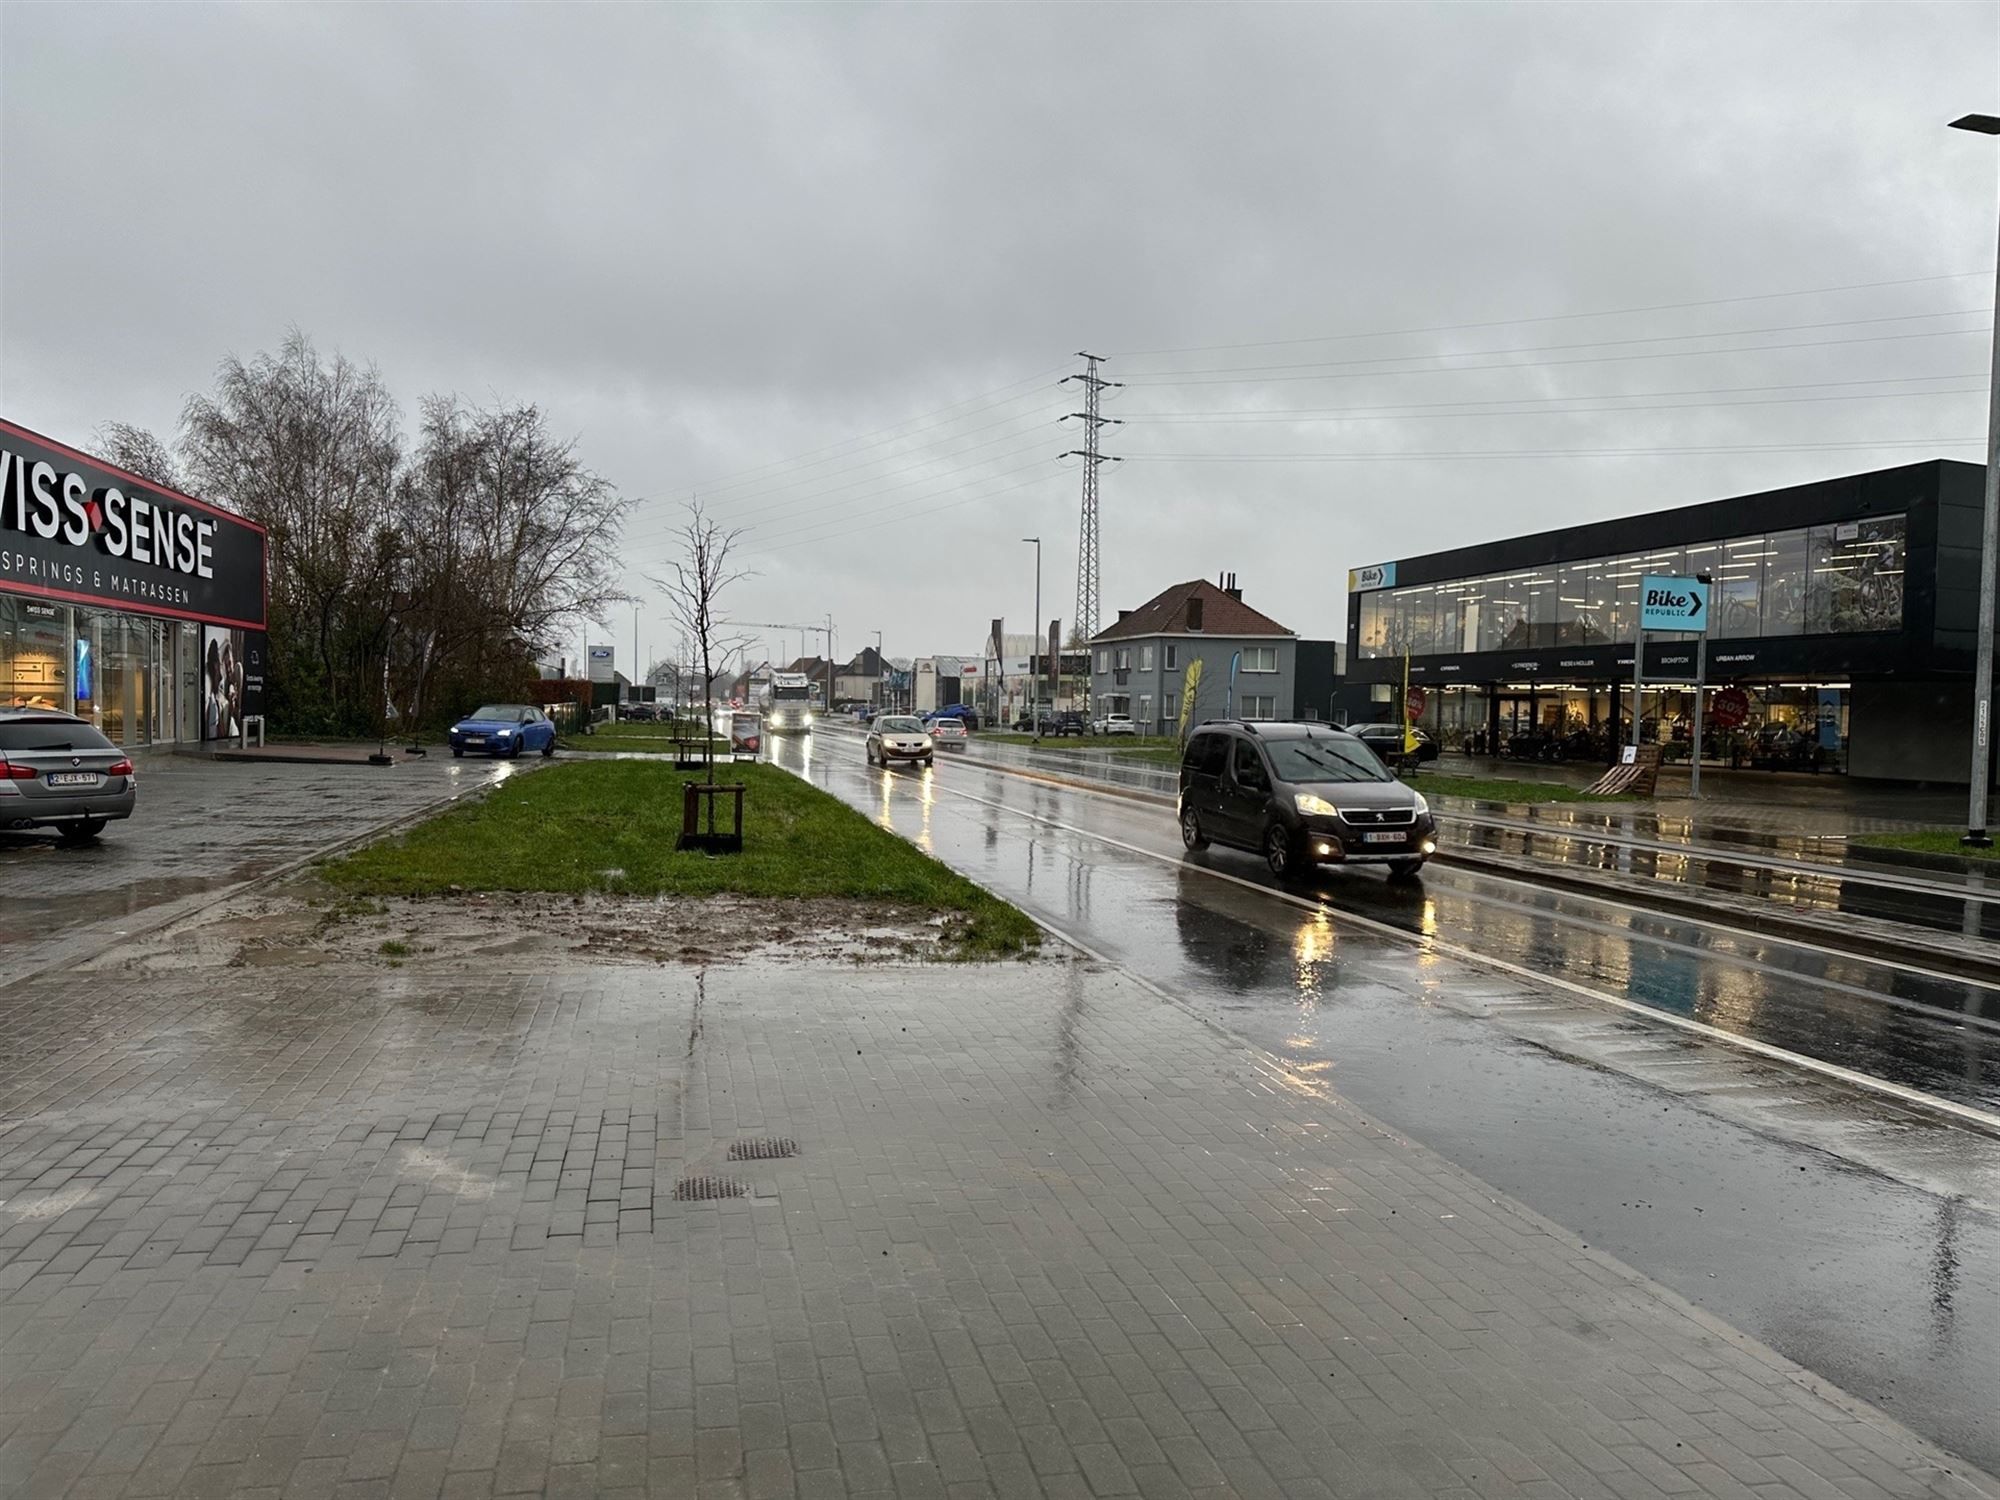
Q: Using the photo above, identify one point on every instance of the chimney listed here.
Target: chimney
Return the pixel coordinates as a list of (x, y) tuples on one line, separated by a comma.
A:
[(1232, 590), (1124, 614)]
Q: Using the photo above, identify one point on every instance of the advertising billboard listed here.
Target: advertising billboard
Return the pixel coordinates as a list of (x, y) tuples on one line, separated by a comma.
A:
[(232, 680)]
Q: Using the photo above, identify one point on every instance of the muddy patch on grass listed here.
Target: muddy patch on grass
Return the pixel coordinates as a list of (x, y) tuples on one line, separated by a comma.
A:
[(305, 925)]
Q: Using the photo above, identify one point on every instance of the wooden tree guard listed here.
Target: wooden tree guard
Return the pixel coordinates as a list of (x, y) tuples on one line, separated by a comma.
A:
[(1640, 776), (691, 754), (697, 797)]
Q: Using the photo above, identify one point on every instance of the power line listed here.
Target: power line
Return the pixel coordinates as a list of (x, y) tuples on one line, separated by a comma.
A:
[(1275, 412), (1660, 338), (1616, 312), (1222, 419), (1593, 359), (729, 479), (1287, 458)]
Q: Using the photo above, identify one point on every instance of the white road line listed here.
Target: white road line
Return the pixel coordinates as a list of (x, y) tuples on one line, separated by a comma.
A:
[(1982, 1119), (1943, 976)]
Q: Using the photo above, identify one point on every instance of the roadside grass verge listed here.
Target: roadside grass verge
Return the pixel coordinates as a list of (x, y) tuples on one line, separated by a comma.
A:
[(1929, 841), (609, 826), (606, 740), (1500, 789)]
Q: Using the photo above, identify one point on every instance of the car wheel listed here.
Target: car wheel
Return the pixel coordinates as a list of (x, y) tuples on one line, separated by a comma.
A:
[(80, 833), (548, 750), (1405, 869), (456, 753), (1191, 834), (1278, 850)]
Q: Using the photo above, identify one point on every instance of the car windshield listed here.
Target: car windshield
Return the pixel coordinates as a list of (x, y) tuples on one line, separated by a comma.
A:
[(1325, 760), (500, 713), (51, 734), (896, 725)]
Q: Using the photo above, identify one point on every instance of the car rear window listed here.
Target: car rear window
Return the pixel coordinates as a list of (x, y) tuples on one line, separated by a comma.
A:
[(51, 734), (1207, 754)]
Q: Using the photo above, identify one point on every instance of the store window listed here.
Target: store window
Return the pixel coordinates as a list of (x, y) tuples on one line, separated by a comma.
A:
[(1459, 614), (1739, 587), (1374, 624), (34, 653), (1578, 620), (1782, 609), (1857, 576), (1503, 623)]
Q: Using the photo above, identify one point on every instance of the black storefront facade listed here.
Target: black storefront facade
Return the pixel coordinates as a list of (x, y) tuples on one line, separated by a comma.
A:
[(1844, 617), (129, 604)]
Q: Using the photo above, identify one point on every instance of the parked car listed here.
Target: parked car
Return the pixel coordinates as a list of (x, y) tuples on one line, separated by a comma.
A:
[(57, 771), (639, 713), (503, 729), (1386, 740), (948, 733), (1118, 724), (894, 737), (1302, 795), (1059, 725)]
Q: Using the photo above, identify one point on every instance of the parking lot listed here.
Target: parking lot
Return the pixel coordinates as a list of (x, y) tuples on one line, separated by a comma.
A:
[(201, 827)]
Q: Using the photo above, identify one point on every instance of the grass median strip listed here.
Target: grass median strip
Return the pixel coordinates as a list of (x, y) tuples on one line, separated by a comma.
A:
[(1499, 789), (610, 826), (1929, 841)]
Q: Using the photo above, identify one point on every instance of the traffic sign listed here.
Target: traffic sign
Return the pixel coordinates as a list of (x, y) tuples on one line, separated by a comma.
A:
[(1670, 603)]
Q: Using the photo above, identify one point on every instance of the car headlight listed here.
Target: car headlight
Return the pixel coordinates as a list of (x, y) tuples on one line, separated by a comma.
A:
[(809, 718), (1306, 802), (1423, 807)]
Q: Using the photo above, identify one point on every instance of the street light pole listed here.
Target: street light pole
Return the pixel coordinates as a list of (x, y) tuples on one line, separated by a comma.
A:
[(881, 673), (1034, 672), (1976, 835)]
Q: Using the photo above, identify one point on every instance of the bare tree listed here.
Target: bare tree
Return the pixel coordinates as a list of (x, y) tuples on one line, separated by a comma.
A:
[(692, 590), (310, 449), (137, 451)]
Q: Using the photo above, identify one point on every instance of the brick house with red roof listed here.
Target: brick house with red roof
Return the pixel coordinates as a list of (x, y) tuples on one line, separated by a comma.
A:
[(1197, 647)]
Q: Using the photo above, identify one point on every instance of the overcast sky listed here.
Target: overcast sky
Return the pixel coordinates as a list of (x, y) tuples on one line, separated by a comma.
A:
[(825, 265)]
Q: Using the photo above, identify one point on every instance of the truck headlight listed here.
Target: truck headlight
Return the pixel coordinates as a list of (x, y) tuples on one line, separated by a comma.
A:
[(809, 718), (1318, 807)]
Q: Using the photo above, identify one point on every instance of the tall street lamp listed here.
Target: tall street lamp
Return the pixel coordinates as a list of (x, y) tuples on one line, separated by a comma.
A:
[(1034, 674), (881, 672), (1976, 835)]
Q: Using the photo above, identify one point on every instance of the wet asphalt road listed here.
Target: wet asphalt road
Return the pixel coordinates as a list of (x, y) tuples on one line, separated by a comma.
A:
[(1853, 1232)]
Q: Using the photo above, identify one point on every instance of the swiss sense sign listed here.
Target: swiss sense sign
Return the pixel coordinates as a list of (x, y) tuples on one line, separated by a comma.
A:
[(75, 529)]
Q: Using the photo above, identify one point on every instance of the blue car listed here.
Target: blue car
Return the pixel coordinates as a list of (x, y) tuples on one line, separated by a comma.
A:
[(503, 729)]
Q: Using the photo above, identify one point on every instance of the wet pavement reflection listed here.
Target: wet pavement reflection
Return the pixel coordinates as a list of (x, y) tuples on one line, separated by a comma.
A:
[(1857, 1235)]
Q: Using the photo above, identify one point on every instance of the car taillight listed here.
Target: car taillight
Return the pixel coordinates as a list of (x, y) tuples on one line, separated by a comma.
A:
[(119, 768), (11, 772)]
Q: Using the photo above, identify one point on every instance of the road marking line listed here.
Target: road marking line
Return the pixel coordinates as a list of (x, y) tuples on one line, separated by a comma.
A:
[(1154, 799), (1985, 1121)]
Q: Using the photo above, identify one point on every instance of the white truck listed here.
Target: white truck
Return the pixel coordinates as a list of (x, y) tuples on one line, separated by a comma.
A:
[(790, 703)]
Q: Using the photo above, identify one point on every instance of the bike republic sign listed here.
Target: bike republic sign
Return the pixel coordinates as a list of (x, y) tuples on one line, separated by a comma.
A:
[(1670, 603)]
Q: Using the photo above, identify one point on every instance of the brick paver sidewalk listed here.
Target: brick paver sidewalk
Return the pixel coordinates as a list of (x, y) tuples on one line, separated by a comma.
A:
[(368, 1234)]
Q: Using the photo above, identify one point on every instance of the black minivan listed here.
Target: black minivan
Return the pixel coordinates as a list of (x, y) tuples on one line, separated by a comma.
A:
[(1302, 795)]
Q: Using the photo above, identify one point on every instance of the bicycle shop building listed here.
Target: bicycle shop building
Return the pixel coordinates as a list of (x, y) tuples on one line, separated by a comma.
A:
[(129, 604), (1843, 617)]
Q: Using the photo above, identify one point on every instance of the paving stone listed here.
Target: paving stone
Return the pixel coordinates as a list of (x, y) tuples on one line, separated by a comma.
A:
[(316, 1252)]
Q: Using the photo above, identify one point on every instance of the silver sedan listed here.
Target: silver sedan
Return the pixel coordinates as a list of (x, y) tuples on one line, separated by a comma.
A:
[(57, 771)]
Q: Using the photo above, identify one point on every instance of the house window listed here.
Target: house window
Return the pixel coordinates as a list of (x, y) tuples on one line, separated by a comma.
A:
[(1124, 659), (1104, 661), (1172, 658), (1259, 706), (1260, 659), (1145, 658), (1170, 707), (1145, 715)]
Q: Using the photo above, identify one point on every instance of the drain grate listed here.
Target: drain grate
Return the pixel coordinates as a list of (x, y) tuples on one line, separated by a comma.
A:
[(700, 1189), (763, 1149)]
